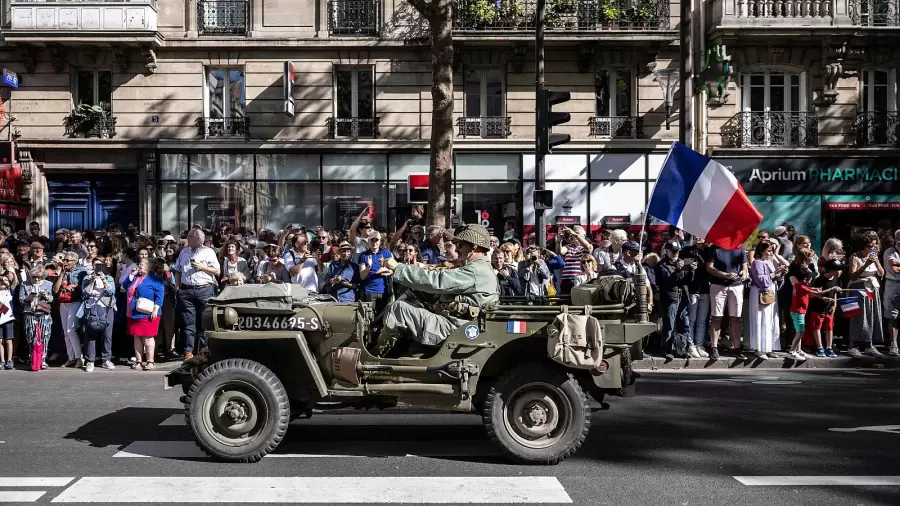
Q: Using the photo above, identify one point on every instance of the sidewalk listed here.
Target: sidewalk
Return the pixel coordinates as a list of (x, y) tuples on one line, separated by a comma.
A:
[(725, 362)]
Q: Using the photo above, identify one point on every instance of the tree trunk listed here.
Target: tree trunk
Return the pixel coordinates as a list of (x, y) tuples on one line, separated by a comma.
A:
[(440, 17)]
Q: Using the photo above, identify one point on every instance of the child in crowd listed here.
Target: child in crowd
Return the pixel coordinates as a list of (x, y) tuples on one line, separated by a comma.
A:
[(823, 305)]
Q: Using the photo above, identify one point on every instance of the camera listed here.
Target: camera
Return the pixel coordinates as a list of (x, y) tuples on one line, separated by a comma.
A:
[(534, 257)]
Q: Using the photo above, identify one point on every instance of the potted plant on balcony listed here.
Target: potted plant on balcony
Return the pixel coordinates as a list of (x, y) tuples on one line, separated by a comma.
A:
[(563, 14), (83, 119), (610, 15), (477, 14), (641, 14)]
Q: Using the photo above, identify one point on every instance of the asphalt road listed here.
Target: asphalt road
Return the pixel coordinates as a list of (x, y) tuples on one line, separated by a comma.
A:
[(118, 437)]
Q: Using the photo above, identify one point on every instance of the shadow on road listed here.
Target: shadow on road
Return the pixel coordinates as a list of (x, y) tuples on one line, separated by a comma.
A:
[(124, 426)]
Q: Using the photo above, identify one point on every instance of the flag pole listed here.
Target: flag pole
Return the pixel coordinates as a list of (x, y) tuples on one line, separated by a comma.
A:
[(645, 217)]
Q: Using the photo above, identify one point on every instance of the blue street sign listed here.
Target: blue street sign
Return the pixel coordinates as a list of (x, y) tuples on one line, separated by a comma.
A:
[(10, 79)]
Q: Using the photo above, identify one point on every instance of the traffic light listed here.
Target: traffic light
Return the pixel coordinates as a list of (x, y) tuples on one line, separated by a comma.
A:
[(547, 119), (6, 153)]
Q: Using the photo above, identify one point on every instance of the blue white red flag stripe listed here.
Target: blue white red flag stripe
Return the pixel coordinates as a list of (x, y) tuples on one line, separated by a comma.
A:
[(700, 196), (849, 307), (515, 327), (866, 293)]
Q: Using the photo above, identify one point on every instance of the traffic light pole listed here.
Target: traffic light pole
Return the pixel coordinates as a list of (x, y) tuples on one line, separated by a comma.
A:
[(686, 68), (540, 121)]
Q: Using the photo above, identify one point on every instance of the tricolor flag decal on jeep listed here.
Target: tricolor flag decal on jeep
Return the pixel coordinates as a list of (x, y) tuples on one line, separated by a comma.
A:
[(515, 327)]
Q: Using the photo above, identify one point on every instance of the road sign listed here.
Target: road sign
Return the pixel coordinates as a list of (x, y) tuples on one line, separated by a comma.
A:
[(10, 79)]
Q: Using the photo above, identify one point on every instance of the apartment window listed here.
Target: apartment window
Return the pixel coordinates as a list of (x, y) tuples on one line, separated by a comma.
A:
[(354, 102), (223, 17), (775, 110), (485, 104), (224, 104), (614, 92), (877, 122), (93, 87)]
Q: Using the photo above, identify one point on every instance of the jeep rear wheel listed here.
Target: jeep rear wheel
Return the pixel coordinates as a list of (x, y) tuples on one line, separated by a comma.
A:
[(238, 410), (538, 414)]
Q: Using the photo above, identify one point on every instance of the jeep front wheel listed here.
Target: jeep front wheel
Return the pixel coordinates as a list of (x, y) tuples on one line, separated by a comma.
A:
[(238, 410), (538, 414)]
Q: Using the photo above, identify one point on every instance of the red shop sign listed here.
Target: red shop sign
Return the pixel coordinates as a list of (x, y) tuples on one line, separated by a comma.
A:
[(13, 211), (854, 206), (10, 182)]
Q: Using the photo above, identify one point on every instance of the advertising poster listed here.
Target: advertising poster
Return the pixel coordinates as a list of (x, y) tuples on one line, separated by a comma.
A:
[(221, 212), (804, 212), (349, 208)]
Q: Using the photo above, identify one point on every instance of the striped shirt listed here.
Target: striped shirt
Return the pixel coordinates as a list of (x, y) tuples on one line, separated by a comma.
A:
[(572, 259)]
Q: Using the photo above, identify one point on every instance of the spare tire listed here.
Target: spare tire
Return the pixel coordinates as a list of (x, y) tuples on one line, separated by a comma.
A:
[(238, 410)]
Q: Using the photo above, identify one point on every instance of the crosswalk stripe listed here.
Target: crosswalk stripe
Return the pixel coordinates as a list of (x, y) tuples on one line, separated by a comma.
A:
[(322, 449), (406, 489), (34, 482), (799, 481), (21, 496), (367, 419)]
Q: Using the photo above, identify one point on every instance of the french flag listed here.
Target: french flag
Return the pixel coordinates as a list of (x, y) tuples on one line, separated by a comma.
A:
[(849, 307), (515, 327), (866, 293), (700, 196)]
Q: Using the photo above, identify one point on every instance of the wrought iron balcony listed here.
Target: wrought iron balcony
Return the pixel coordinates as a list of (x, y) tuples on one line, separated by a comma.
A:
[(875, 12), (353, 17), (562, 15), (103, 127), (772, 129), (616, 127), (877, 129), (223, 17), (488, 127), (353, 128), (224, 127)]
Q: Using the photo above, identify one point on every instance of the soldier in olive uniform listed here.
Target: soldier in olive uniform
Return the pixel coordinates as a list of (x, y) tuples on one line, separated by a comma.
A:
[(471, 285)]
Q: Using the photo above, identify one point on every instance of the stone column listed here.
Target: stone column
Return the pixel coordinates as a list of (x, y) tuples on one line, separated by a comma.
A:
[(190, 18)]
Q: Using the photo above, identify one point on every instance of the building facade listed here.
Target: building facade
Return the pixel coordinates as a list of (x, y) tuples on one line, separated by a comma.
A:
[(179, 105)]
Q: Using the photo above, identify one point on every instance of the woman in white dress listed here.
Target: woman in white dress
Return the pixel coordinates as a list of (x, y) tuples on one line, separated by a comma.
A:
[(764, 323)]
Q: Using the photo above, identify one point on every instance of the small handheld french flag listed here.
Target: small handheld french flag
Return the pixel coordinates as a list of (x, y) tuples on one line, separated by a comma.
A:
[(515, 327), (867, 293), (849, 307)]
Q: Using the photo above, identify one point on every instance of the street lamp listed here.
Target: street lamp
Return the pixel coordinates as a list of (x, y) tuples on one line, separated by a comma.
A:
[(669, 81)]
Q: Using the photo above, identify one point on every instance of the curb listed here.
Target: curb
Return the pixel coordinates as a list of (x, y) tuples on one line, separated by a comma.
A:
[(660, 363)]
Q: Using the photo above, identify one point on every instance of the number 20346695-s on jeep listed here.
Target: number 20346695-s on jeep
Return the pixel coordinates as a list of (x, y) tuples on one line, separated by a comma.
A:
[(277, 352)]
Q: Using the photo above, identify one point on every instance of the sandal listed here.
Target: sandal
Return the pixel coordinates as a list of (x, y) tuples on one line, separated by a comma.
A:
[(136, 366), (149, 366)]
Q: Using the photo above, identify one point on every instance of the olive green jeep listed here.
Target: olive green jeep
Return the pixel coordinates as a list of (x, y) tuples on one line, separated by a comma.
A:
[(276, 352)]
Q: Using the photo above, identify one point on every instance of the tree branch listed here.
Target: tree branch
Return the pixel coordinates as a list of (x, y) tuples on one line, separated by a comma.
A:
[(425, 8)]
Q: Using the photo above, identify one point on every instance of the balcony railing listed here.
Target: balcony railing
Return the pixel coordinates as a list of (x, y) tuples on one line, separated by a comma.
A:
[(615, 127), (223, 17), (224, 127), (353, 128), (877, 129), (875, 12), (772, 129), (494, 127), (100, 128), (353, 17), (86, 15), (562, 15)]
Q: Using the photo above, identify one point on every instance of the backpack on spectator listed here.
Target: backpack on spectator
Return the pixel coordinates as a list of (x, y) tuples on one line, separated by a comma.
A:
[(96, 317), (575, 340)]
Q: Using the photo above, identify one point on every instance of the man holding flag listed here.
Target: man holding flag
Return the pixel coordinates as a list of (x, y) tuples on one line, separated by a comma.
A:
[(701, 197)]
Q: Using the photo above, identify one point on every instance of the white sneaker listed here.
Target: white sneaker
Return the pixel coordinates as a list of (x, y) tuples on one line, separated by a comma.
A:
[(702, 351), (108, 365), (89, 367), (873, 352), (894, 352), (854, 352), (692, 352), (797, 356), (79, 364)]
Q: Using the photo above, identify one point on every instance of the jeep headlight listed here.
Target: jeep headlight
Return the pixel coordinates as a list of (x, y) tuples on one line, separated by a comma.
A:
[(231, 317)]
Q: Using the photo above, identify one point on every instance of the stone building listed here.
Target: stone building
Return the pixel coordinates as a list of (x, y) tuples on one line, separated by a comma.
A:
[(179, 105)]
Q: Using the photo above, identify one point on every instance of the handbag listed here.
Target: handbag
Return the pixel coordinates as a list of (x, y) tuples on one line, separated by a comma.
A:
[(144, 305), (767, 297)]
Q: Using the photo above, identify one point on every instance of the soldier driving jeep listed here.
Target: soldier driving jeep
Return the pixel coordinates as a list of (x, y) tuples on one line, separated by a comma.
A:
[(463, 290)]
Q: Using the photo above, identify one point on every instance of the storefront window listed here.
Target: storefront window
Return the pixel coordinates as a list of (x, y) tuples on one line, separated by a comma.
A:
[(173, 166), (558, 166), (281, 204), (617, 199), (216, 204), (403, 165), (354, 167), (490, 204), (173, 207), (345, 201), (569, 199), (483, 167), (285, 166), (230, 167)]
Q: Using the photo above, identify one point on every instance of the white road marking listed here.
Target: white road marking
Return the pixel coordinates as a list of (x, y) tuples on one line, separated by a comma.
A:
[(800, 481), (405, 489), (761, 380), (334, 420), (863, 373), (8, 482), (323, 449), (21, 496), (892, 429)]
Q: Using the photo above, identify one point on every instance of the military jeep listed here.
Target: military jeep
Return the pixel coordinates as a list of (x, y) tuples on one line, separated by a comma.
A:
[(277, 352)]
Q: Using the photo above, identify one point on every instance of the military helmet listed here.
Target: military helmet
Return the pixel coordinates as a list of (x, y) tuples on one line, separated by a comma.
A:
[(476, 235)]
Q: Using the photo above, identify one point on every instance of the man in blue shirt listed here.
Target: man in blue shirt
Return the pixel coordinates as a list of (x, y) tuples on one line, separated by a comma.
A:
[(342, 276), (430, 249), (373, 272)]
